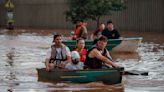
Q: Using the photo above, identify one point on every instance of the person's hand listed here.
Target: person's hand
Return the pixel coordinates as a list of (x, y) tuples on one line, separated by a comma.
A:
[(47, 69), (115, 65), (121, 38), (61, 65), (74, 37)]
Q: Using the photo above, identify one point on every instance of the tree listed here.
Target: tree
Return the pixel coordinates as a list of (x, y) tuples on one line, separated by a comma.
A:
[(92, 9)]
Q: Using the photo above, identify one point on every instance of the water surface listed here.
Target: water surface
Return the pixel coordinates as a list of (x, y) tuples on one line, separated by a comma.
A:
[(21, 52)]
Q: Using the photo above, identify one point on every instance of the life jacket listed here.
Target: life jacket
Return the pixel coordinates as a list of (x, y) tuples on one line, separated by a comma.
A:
[(78, 31), (54, 52), (94, 63)]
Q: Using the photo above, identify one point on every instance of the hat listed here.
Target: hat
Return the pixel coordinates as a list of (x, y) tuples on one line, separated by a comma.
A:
[(75, 55)]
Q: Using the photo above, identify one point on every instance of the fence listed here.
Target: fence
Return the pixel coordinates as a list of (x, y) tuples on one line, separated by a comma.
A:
[(140, 15)]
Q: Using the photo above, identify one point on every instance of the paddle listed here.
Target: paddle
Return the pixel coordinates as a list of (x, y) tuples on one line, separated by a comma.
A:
[(136, 72), (133, 72)]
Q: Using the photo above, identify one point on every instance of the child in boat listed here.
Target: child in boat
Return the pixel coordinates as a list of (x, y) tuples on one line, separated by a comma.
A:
[(75, 64)]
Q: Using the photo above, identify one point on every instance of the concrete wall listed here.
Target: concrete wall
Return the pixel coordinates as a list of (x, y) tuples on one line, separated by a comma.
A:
[(140, 15)]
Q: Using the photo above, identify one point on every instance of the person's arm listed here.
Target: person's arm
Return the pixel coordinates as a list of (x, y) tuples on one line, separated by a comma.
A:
[(108, 55), (68, 53), (92, 37), (83, 32), (68, 59), (47, 64), (47, 59), (117, 34), (97, 54), (106, 33)]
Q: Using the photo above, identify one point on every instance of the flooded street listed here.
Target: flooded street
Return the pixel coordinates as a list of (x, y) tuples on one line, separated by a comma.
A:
[(21, 53)]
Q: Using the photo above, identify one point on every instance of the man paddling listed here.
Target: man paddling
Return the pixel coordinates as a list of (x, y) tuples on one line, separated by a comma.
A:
[(98, 56)]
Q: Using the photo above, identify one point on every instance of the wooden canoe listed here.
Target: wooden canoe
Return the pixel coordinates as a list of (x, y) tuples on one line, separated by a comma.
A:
[(107, 76), (116, 45)]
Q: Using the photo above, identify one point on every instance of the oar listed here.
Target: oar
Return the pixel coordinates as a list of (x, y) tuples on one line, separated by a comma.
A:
[(133, 72), (136, 72)]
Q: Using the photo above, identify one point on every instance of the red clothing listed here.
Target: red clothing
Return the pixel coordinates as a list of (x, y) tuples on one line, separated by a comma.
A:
[(77, 32), (82, 54)]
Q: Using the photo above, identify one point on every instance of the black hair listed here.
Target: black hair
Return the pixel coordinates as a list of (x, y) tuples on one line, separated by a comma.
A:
[(79, 40), (56, 35), (109, 21), (101, 23), (95, 41), (103, 38)]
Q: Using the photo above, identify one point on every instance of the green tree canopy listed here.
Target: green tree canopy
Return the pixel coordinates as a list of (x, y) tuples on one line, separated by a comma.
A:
[(92, 9)]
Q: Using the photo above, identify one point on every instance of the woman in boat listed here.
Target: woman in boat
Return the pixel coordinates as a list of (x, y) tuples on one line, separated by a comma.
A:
[(75, 64), (58, 55), (98, 56), (97, 33), (80, 48)]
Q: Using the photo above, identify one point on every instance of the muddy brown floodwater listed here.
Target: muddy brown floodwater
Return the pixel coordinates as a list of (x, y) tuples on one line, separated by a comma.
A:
[(24, 50)]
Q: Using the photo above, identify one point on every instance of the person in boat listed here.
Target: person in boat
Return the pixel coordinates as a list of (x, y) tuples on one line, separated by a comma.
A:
[(80, 48), (98, 56), (110, 32), (58, 55), (80, 30), (97, 33), (75, 64)]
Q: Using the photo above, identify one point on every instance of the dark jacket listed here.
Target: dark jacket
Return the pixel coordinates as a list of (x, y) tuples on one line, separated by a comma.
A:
[(114, 34)]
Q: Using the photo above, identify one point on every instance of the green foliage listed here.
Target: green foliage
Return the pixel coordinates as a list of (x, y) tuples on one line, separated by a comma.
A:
[(92, 9)]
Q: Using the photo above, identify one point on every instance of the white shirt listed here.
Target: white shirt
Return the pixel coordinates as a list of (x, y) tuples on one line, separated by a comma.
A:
[(71, 66)]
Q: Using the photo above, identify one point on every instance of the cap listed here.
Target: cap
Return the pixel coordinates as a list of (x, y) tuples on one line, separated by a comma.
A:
[(75, 55)]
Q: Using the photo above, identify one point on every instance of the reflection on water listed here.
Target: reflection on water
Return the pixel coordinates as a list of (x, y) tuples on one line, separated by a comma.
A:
[(21, 54)]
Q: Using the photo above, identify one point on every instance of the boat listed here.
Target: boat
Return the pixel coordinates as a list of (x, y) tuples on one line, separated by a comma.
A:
[(115, 45), (107, 76)]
